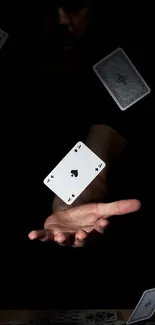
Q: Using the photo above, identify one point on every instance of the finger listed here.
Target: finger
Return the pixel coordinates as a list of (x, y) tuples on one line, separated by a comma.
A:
[(43, 235), (80, 237), (118, 208), (64, 239), (60, 238), (100, 225)]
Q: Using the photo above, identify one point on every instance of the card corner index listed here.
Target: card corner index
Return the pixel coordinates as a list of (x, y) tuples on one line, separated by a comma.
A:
[(44, 181), (68, 203), (79, 143)]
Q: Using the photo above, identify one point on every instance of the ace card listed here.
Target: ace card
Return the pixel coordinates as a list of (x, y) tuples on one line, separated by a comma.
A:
[(74, 173), (121, 79)]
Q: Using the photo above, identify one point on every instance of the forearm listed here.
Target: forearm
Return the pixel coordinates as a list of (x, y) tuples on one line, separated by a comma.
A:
[(106, 143)]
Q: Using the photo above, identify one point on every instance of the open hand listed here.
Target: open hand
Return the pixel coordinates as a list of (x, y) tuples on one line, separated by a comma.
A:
[(76, 223)]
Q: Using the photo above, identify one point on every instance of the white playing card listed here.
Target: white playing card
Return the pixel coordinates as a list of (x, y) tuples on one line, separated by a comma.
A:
[(145, 307), (99, 317), (122, 80), (3, 37), (74, 173)]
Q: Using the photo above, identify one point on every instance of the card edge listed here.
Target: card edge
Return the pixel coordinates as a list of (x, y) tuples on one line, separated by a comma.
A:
[(109, 91), (115, 99), (106, 57), (143, 294), (79, 142)]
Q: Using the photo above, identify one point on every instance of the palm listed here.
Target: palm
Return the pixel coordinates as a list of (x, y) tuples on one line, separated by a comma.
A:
[(78, 222), (83, 217)]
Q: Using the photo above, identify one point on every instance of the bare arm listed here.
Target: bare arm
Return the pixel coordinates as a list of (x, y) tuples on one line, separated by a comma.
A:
[(106, 143)]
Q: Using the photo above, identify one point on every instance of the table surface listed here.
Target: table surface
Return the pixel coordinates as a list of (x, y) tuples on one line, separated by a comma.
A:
[(25, 315)]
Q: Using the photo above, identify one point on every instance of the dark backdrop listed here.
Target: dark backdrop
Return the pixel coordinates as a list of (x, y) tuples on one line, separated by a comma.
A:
[(35, 274)]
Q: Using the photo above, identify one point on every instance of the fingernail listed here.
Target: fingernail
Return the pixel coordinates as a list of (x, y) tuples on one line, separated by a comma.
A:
[(32, 235)]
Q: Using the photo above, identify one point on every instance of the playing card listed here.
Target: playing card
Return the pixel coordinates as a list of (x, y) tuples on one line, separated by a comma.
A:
[(117, 322), (68, 316), (74, 173), (106, 323), (122, 80), (3, 37), (145, 307), (99, 317), (36, 321)]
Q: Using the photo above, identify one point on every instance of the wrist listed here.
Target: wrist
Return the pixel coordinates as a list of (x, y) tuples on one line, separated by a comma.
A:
[(106, 143)]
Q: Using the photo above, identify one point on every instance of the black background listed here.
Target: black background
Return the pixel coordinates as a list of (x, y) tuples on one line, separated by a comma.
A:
[(42, 275)]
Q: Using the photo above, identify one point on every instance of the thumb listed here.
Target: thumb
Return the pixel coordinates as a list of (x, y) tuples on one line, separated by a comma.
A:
[(118, 208)]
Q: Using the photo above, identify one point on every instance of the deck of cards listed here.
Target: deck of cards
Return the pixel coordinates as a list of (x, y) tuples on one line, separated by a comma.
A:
[(99, 317), (74, 173), (3, 37), (85, 317), (121, 79), (145, 307), (79, 317)]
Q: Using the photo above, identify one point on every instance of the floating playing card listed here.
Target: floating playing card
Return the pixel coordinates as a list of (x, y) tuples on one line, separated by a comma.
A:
[(121, 79), (74, 173), (145, 307), (99, 317), (3, 37)]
